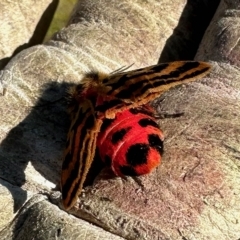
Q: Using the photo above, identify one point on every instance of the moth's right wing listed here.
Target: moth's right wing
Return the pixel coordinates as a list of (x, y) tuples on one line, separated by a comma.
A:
[(79, 152), (138, 87)]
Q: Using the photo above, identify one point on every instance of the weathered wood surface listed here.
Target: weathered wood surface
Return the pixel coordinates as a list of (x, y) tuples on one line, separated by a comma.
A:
[(195, 192), (23, 24)]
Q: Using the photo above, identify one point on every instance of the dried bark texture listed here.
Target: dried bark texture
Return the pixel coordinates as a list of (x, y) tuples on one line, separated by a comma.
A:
[(23, 25), (194, 194), (137, 30), (35, 222), (222, 39), (7, 201)]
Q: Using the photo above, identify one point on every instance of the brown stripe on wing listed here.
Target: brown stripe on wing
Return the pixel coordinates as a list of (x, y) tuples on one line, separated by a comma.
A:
[(79, 152), (117, 81), (138, 87), (138, 84)]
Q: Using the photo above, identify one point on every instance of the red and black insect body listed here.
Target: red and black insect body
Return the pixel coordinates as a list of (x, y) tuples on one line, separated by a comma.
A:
[(132, 143), (110, 113)]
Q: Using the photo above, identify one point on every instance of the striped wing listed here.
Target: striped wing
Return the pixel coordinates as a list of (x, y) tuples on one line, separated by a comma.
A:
[(140, 86), (79, 152)]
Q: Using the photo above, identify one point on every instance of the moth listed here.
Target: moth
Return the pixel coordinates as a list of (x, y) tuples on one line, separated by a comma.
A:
[(110, 114)]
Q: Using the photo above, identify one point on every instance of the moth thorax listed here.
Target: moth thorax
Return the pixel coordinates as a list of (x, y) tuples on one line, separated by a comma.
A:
[(132, 143)]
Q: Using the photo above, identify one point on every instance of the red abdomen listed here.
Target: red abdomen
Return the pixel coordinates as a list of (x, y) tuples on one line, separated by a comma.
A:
[(132, 143)]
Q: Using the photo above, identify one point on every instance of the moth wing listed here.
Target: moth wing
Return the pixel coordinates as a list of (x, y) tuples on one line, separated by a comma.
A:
[(138, 87), (80, 151)]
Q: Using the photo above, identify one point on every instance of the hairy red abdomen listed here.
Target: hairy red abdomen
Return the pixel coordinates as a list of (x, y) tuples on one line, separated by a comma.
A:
[(132, 142)]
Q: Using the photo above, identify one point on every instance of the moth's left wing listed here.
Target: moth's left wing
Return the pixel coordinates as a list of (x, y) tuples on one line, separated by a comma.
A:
[(80, 151), (140, 86)]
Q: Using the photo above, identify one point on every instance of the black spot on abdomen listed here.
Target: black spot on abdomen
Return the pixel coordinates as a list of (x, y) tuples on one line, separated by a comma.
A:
[(144, 122), (137, 154), (119, 135), (155, 142)]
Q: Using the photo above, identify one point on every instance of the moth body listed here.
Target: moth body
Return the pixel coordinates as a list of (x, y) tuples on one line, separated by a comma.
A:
[(132, 142), (111, 112)]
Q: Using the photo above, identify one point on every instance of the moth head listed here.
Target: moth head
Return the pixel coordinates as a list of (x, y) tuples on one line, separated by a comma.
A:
[(94, 77), (94, 81), (89, 87)]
